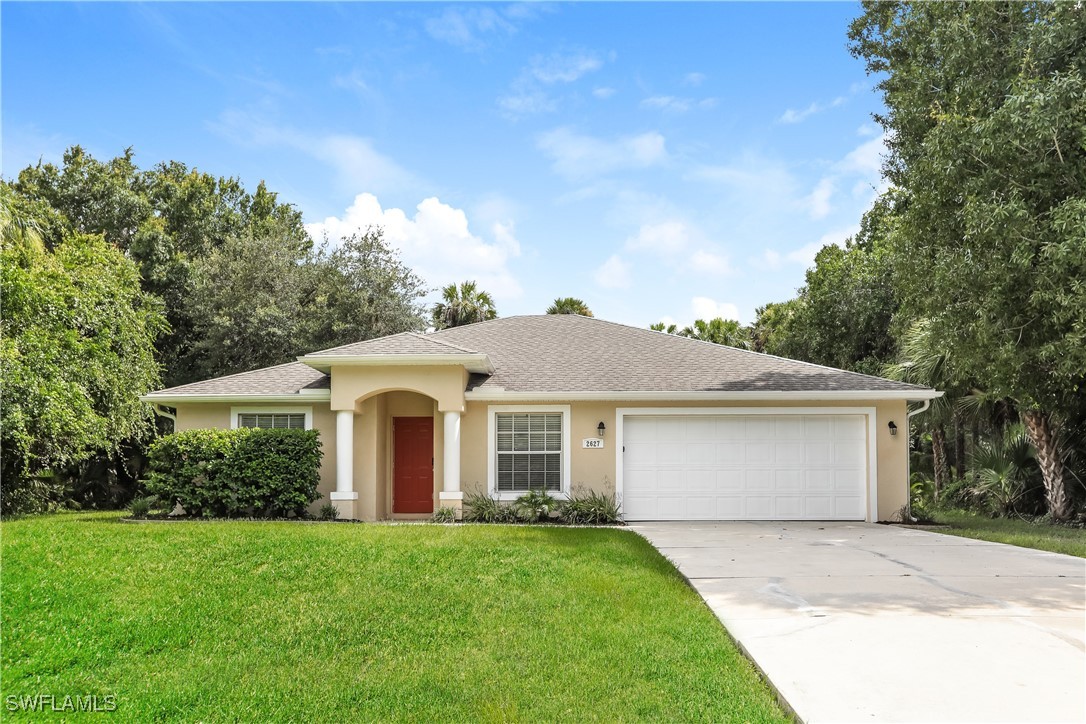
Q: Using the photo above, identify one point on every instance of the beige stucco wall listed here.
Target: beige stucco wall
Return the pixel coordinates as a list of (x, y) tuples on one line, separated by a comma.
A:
[(443, 383), (592, 469)]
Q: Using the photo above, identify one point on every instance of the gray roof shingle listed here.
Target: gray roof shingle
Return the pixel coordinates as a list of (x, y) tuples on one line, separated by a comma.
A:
[(285, 379), (571, 353)]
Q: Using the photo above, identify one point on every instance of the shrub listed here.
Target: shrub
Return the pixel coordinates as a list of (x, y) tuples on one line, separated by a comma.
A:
[(535, 506), (444, 514), (589, 508), (328, 511), (228, 473), (141, 505), (481, 508)]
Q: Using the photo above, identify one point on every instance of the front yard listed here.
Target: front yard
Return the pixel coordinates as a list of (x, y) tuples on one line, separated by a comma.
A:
[(1042, 536), (283, 621)]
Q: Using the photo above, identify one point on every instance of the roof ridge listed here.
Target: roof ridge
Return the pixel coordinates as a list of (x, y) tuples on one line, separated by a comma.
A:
[(760, 354), (360, 341), (426, 338)]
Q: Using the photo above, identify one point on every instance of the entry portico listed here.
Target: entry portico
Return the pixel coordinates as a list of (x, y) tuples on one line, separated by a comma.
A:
[(367, 385)]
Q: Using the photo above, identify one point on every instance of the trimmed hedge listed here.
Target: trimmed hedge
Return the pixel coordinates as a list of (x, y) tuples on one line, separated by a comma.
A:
[(232, 473)]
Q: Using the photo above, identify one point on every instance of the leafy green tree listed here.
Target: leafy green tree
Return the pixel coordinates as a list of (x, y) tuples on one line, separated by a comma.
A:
[(256, 304), (463, 304), (719, 331), (984, 124), (569, 305), (166, 220), (77, 349), (772, 331)]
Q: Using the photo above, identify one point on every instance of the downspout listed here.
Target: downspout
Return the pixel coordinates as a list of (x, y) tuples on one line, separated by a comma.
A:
[(162, 412), (909, 457)]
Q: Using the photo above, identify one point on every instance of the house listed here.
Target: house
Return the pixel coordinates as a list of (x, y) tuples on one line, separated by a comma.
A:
[(676, 428)]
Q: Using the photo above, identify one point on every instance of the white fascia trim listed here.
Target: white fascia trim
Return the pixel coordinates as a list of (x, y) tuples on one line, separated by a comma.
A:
[(868, 412), (314, 396), (688, 396), (479, 363), (492, 448), (281, 410)]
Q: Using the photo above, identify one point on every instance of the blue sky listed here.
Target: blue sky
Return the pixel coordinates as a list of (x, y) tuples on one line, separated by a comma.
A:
[(659, 161)]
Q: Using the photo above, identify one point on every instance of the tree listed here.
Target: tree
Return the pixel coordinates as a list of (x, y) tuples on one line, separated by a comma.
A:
[(718, 331), (569, 305), (464, 304), (665, 328), (77, 349), (984, 135), (256, 303), (165, 220), (772, 331)]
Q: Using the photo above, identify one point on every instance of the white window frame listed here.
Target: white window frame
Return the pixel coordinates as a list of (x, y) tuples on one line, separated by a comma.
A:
[(492, 448), (235, 411), (869, 413)]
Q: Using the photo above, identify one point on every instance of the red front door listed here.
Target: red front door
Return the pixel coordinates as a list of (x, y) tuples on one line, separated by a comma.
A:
[(412, 465)]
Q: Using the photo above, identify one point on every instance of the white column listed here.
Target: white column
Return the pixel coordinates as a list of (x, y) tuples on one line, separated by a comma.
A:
[(344, 495), (452, 455)]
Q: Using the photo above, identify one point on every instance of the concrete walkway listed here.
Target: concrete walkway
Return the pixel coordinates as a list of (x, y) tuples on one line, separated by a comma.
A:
[(858, 622)]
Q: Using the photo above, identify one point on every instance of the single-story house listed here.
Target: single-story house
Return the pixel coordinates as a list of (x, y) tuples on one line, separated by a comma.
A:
[(675, 428)]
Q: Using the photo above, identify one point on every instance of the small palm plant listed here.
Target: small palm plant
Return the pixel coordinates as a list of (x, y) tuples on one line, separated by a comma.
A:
[(1004, 467)]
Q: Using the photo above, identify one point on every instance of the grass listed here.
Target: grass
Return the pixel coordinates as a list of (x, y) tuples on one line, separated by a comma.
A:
[(1042, 536), (281, 621)]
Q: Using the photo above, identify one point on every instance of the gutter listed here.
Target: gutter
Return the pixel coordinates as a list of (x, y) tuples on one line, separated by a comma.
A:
[(909, 456)]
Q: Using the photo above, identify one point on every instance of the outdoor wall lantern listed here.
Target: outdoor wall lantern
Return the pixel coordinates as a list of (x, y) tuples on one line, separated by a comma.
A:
[(601, 428), (893, 428)]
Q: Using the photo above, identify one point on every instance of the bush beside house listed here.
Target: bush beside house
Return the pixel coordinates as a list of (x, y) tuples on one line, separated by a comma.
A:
[(233, 473)]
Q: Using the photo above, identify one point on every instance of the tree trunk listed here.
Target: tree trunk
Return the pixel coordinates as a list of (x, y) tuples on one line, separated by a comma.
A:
[(938, 453), (1039, 426), (959, 445)]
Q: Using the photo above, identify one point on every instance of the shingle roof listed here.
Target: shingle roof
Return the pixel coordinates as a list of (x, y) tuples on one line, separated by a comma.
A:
[(570, 353), (403, 343), (285, 379)]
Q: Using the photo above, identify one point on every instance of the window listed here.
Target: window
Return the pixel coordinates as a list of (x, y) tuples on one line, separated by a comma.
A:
[(292, 420), (529, 451), (292, 417)]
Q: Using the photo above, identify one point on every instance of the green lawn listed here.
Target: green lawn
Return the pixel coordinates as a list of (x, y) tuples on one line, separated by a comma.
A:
[(1043, 536), (282, 621)]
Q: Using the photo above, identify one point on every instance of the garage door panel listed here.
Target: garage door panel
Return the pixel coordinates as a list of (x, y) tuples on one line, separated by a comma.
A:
[(734, 467)]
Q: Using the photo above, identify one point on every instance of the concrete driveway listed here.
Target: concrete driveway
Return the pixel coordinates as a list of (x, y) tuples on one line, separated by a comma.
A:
[(860, 622)]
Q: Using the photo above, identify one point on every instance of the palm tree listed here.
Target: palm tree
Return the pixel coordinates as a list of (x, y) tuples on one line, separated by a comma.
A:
[(463, 304), (667, 329), (719, 331), (569, 305)]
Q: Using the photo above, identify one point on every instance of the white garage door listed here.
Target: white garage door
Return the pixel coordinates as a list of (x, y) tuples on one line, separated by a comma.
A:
[(744, 467)]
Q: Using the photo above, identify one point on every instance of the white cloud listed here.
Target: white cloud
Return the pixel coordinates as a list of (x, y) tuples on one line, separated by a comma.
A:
[(867, 130), (467, 28), (693, 79), (674, 104), (707, 262), (668, 237), (436, 242), (865, 159), (706, 308), (528, 93), (564, 67), (613, 273), (791, 115), (356, 162), (604, 92), (818, 202), (579, 156)]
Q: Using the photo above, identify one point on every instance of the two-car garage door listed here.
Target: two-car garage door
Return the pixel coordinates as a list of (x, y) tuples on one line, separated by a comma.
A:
[(744, 467)]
